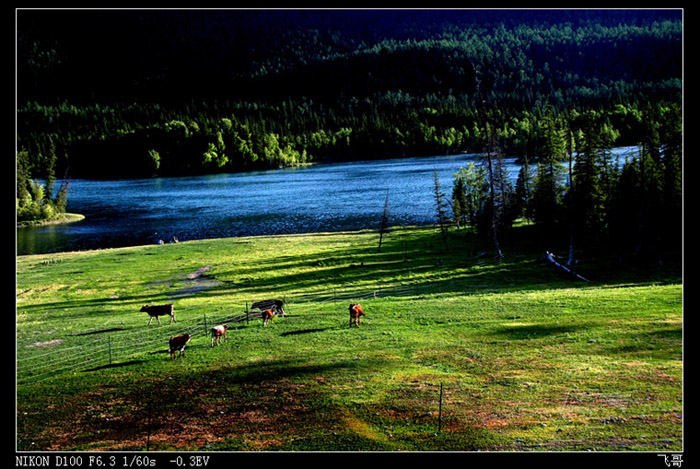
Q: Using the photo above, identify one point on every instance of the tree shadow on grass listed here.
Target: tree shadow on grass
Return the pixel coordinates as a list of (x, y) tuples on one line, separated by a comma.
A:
[(114, 365), (535, 331), (102, 331), (305, 331)]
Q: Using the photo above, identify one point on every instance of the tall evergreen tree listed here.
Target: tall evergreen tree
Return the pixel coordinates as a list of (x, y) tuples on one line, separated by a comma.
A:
[(497, 195), (587, 193), (623, 211), (459, 202), (548, 189), (523, 191), (672, 132), (49, 166), (22, 177), (440, 209), (650, 203)]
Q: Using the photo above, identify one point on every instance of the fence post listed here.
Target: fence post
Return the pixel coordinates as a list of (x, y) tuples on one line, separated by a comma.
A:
[(205, 324), (440, 411), (148, 422)]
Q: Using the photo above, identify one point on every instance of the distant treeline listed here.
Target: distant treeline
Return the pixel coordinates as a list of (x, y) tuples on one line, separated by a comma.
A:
[(119, 94)]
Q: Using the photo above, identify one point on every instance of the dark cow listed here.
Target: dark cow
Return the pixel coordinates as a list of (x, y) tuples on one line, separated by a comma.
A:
[(177, 344), (355, 313), (275, 305), (267, 316), (217, 333), (159, 310)]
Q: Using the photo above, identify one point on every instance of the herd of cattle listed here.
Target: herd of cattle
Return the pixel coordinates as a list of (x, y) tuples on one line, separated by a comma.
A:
[(269, 308)]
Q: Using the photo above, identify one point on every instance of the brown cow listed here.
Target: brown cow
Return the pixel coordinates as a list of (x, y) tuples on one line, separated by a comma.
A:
[(267, 316), (355, 313), (177, 344), (217, 333), (159, 310), (275, 305)]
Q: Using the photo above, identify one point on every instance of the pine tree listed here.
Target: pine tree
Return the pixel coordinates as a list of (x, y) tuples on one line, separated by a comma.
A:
[(22, 177), (650, 206), (440, 210), (547, 192), (623, 211), (49, 167), (587, 192), (459, 202), (523, 191), (673, 177)]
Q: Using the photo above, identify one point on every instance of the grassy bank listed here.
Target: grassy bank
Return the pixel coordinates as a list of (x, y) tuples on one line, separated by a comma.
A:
[(528, 358), (61, 218)]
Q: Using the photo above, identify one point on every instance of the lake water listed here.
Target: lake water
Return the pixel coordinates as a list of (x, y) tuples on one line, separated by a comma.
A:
[(321, 197)]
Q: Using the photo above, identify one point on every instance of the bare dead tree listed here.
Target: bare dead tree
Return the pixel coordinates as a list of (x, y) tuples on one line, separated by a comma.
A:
[(384, 225), (494, 162)]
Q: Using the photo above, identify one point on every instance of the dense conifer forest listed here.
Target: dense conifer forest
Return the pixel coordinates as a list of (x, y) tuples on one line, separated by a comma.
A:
[(120, 94), (134, 93)]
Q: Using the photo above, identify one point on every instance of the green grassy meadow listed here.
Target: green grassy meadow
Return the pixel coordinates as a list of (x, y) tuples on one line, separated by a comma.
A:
[(529, 359)]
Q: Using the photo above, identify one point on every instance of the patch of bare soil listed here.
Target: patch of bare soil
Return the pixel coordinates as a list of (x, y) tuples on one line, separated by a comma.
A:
[(195, 282), (199, 272), (169, 414), (47, 343)]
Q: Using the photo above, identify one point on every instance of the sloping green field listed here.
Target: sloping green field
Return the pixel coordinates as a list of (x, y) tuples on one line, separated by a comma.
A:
[(527, 358)]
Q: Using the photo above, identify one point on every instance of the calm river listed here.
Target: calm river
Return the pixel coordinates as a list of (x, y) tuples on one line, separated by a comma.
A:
[(322, 197)]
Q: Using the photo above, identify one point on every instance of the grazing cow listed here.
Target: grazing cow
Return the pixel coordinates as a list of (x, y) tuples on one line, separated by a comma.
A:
[(276, 305), (217, 333), (177, 344), (355, 313), (159, 310), (267, 316)]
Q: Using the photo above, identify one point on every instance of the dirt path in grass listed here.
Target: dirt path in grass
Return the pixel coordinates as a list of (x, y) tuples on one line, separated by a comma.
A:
[(194, 283)]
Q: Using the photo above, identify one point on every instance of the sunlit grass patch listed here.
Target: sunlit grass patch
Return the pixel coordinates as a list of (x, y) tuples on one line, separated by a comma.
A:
[(527, 359)]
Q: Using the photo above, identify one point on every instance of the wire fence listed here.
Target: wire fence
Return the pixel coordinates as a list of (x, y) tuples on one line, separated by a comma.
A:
[(38, 361)]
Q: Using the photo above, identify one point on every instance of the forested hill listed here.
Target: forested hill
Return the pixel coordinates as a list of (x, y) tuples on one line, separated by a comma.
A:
[(115, 93)]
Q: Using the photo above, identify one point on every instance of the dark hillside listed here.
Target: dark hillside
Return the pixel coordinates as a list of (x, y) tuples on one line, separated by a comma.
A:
[(256, 89), (179, 55)]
